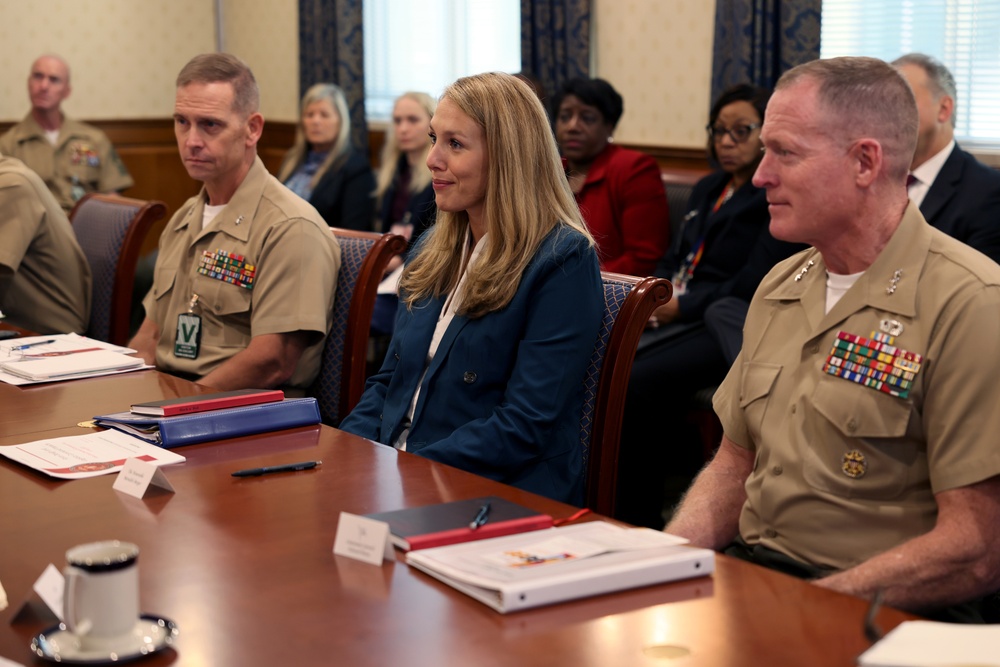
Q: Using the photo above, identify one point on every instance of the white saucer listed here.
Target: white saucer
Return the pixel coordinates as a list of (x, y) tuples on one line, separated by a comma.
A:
[(151, 634)]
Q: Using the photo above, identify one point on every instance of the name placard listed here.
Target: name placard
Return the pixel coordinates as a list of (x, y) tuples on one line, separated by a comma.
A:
[(362, 539), (138, 476)]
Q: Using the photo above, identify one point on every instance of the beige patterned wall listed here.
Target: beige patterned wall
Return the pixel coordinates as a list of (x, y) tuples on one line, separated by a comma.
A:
[(125, 54), (265, 33), (658, 55)]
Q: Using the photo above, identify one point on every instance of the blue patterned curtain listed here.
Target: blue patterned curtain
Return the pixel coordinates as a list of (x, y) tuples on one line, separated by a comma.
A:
[(331, 50), (555, 41), (757, 40)]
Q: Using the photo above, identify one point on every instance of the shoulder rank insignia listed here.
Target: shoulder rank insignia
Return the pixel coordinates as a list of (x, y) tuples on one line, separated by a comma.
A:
[(874, 362)]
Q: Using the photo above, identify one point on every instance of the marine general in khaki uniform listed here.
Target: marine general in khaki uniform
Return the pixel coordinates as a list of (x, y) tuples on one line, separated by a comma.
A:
[(44, 276), (861, 416), (246, 274), (73, 158)]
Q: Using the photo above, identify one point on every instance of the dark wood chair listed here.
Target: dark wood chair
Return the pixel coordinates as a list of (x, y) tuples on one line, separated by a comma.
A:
[(342, 374), (111, 230), (628, 302)]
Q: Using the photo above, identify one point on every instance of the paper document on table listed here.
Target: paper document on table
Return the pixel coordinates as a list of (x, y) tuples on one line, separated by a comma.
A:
[(547, 566), (3, 598), (77, 456), (70, 354), (934, 644)]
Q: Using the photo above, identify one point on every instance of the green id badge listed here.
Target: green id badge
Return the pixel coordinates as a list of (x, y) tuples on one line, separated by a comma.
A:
[(188, 336)]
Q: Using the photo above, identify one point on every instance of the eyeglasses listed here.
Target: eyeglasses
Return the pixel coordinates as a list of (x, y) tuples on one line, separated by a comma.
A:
[(739, 134)]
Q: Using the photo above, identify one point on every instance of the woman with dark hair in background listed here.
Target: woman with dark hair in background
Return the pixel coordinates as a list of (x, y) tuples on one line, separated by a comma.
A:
[(322, 168), (723, 249), (620, 191)]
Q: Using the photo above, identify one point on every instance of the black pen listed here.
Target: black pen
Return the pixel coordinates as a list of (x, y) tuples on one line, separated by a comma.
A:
[(482, 516), (288, 467)]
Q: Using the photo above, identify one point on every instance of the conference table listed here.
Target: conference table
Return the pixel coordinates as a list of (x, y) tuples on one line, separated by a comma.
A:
[(245, 566)]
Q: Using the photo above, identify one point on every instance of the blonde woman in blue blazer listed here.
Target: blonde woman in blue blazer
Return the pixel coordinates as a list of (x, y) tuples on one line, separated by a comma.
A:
[(500, 303)]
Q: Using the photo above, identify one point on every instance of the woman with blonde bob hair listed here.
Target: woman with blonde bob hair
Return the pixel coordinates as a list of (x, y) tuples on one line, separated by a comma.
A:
[(323, 168), (501, 303)]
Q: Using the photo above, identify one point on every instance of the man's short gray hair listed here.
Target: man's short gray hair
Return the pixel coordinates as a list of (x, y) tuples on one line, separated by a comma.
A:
[(865, 97), (939, 77)]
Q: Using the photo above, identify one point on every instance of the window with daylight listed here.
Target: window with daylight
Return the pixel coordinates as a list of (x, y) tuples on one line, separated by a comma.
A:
[(426, 45), (963, 34)]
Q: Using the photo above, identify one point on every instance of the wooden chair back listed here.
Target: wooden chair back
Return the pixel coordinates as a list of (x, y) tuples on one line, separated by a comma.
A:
[(342, 374), (111, 230), (628, 303)]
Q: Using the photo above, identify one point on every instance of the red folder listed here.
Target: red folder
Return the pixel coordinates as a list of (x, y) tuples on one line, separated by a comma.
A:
[(226, 399), (448, 523)]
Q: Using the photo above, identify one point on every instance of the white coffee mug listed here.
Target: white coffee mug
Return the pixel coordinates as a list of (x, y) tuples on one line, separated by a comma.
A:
[(101, 597)]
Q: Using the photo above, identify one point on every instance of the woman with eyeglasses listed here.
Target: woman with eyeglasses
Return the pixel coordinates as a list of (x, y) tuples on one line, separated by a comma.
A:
[(723, 249), (619, 191)]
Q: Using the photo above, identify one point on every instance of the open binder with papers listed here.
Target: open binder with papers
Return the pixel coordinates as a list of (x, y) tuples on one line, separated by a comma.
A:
[(548, 566)]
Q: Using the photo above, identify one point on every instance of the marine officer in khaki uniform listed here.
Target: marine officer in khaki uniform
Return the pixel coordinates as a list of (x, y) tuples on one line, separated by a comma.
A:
[(44, 276), (860, 417), (73, 158), (244, 283)]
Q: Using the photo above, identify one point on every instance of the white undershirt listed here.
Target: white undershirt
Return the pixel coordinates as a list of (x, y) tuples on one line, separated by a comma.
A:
[(208, 215), (447, 314), (927, 172), (52, 136), (837, 285)]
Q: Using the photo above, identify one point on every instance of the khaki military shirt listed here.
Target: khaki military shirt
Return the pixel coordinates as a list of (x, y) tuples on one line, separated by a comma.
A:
[(279, 266), (844, 471), (81, 161), (49, 291)]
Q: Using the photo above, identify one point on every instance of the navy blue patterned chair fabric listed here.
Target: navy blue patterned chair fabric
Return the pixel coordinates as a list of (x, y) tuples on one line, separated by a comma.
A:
[(341, 380), (111, 231), (628, 303)]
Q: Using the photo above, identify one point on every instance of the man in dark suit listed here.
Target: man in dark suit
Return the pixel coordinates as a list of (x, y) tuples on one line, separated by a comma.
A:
[(955, 192)]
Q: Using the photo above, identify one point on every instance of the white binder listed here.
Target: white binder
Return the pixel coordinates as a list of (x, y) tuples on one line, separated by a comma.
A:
[(547, 566)]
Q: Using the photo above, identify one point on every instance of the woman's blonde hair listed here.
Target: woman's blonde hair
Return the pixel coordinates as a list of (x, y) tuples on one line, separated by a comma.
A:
[(527, 195), (341, 145), (420, 177)]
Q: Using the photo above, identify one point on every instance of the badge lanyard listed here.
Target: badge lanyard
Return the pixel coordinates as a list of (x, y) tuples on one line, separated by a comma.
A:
[(188, 340)]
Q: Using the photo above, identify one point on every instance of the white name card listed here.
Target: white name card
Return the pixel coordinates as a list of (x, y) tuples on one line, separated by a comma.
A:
[(363, 539), (137, 476), (49, 588)]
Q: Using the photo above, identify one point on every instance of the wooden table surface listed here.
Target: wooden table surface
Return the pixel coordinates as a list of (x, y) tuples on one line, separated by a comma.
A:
[(245, 566)]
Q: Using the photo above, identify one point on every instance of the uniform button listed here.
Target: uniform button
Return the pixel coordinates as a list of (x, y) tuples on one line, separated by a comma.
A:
[(777, 470), (852, 424), (770, 532), (813, 348), (793, 409), (469, 377)]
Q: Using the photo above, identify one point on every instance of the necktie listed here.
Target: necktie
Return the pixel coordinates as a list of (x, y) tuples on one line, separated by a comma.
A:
[(911, 180)]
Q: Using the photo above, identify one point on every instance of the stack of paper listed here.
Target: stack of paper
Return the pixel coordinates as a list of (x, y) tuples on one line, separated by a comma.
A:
[(62, 357), (547, 566)]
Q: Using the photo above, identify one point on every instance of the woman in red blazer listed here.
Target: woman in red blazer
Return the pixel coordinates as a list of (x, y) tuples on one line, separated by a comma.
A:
[(619, 191)]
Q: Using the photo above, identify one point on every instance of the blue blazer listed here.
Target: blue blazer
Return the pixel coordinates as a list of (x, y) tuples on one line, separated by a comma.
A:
[(964, 203), (504, 394)]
